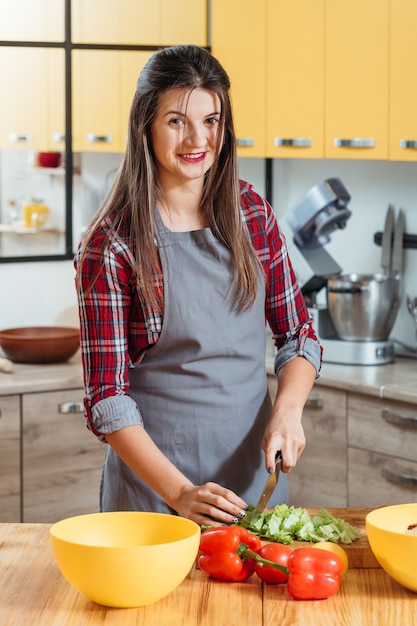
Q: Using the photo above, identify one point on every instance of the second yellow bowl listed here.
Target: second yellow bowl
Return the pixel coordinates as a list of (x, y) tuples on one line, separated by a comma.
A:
[(393, 547)]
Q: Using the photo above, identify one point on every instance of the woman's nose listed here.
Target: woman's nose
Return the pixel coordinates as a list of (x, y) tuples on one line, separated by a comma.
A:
[(195, 135)]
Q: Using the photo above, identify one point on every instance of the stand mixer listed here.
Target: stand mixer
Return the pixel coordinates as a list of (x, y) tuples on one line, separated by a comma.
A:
[(322, 211)]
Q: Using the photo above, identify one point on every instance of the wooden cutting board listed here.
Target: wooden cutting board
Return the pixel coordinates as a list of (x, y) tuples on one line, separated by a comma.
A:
[(359, 552)]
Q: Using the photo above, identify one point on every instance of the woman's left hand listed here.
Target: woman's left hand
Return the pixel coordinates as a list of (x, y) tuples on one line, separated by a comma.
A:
[(284, 430)]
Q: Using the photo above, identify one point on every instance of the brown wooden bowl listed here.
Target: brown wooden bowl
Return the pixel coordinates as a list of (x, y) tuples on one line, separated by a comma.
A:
[(40, 344)]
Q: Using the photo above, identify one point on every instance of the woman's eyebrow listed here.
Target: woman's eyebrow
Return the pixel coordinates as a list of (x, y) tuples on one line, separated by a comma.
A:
[(184, 113), (175, 113)]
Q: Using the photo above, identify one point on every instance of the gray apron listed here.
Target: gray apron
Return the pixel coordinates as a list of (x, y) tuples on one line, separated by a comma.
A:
[(202, 389)]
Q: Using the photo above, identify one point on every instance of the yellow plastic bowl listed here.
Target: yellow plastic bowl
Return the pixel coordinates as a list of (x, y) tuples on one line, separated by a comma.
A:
[(394, 549), (125, 559)]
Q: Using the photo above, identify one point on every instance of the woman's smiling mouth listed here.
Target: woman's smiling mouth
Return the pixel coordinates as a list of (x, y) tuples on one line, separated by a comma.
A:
[(194, 157)]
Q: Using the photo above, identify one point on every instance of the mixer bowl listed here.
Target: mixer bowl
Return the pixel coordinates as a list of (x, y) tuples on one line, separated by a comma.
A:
[(363, 307)]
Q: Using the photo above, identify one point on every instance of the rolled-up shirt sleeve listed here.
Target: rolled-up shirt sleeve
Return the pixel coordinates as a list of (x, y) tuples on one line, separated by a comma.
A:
[(113, 413), (302, 345)]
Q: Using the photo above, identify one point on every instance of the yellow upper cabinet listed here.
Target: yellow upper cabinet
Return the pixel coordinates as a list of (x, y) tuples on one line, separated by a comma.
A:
[(356, 79), (295, 78), (103, 87), (184, 21), (56, 101), (403, 84), (139, 22), (23, 119), (95, 101), (130, 66), (115, 21), (34, 108), (238, 42), (32, 20)]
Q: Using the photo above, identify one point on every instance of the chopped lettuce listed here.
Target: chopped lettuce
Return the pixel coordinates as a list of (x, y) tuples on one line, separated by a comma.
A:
[(287, 524)]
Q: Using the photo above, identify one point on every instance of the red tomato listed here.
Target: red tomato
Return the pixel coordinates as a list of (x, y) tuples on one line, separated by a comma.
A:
[(277, 553)]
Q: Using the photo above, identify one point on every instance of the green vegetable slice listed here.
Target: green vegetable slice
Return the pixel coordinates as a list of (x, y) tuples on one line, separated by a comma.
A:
[(286, 524)]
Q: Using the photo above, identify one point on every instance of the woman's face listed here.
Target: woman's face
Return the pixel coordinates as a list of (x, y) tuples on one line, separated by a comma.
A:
[(185, 134)]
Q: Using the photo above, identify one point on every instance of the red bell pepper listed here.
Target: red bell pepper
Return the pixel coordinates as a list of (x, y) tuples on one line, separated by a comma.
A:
[(314, 574), (227, 538), (232, 553), (229, 553)]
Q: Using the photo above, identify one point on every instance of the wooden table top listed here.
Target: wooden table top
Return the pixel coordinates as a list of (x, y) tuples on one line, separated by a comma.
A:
[(33, 592)]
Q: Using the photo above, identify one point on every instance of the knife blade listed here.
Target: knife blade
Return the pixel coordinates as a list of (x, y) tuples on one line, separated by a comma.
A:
[(397, 250), (387, 240), (269, 487)]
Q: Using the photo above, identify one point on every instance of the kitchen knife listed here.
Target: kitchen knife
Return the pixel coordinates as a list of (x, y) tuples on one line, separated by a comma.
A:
[(387, 240), (270, 485), (397, 250)]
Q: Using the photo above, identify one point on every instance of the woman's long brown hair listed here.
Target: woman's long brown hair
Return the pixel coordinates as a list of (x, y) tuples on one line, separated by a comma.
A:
[(131, 201)]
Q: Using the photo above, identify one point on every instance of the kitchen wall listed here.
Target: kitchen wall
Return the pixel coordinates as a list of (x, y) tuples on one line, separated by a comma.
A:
[(372, 186), (43, 293)]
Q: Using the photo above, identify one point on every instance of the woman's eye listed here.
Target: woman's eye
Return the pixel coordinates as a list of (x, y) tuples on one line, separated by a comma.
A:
[(176, 121), (212, 120)]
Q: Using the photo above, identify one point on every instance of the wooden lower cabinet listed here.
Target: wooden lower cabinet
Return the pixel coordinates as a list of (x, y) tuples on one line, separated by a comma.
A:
[(382, 457), (62, 460), (320, 476), (10, 480), (377, 479), (361, 451)]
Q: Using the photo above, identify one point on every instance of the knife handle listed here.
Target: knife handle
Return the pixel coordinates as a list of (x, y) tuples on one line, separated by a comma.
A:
[(278, 460)]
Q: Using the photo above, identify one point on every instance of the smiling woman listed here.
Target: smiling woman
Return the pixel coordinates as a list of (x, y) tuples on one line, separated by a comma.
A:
[(176, 276)]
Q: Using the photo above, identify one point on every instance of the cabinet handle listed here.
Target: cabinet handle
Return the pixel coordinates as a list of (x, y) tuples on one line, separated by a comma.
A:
[(245, 142), (409, 421), (297, 142), (407, 478), (92, 138), (408, 144), (16, 138), (314, 402), (71, 407), (357, 142), (58, 137)]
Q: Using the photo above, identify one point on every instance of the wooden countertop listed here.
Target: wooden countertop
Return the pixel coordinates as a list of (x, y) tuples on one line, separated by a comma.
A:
[(33, 378), (33, 592), (395, 381)]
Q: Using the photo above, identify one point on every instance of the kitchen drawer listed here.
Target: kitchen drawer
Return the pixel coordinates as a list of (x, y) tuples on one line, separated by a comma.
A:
[(320, 476), (377, 479), (10, 459), (62, 459), (382, 426)]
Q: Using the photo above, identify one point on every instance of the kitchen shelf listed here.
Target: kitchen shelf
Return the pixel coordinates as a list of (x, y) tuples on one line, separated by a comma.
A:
[(20, 229), (51, 171)]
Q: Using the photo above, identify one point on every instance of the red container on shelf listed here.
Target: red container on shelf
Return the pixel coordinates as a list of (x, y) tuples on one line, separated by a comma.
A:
[(49, 159)]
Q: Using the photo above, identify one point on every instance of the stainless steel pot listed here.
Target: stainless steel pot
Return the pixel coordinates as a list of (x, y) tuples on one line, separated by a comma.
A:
[(363, 307)]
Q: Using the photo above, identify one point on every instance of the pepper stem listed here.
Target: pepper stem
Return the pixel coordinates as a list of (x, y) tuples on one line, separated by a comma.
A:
[(245, 552)]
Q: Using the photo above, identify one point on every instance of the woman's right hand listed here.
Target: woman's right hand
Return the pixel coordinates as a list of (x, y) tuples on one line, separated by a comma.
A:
[(209, 504)]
